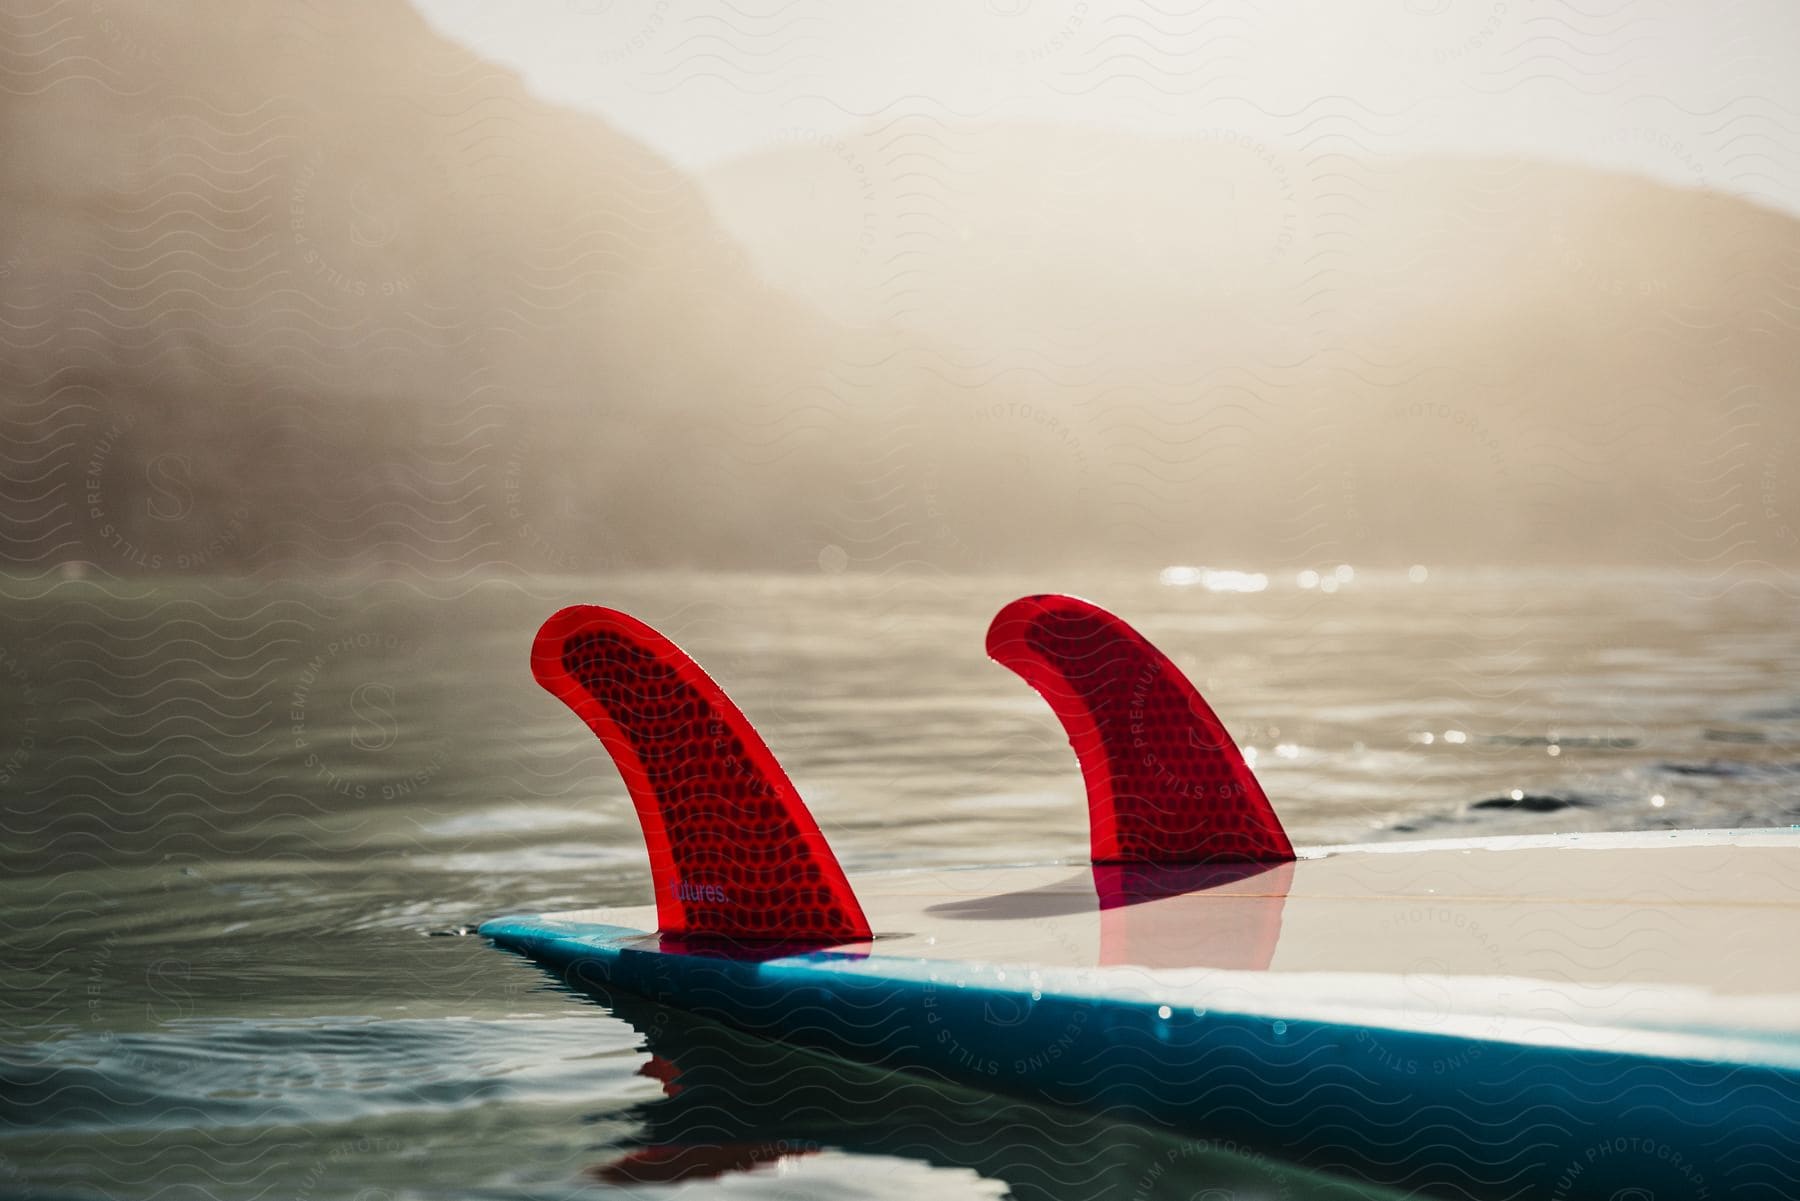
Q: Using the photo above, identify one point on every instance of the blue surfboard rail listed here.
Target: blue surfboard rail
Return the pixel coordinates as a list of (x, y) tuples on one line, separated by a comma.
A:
[(1497, 1113)]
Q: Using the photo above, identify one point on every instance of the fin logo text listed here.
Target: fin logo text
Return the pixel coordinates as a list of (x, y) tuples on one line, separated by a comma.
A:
[(710, 893)]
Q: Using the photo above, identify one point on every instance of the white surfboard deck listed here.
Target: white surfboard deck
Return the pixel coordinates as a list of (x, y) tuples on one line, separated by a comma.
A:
[(1681, 931)]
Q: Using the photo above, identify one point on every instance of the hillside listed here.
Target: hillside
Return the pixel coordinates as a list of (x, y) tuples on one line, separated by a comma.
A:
[(1291, 356), (314, 289)]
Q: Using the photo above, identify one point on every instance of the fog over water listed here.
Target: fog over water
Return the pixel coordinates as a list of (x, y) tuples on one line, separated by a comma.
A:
[(327, 289), (1420, 376)]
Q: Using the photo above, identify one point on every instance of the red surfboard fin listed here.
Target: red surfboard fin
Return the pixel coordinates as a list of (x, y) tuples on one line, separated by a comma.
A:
[(1165, 782), (734, 853)]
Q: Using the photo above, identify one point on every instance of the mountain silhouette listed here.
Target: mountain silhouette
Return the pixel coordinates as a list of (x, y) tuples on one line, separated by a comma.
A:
[(317, 289)]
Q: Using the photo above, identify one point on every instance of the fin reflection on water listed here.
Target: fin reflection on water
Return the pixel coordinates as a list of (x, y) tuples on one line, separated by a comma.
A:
[(734, 1102)]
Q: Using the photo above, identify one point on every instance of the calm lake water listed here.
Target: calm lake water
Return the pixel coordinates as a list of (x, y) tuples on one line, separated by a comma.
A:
[(243, 823)]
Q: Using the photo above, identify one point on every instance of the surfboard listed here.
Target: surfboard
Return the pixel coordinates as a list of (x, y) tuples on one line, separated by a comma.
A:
[(1581, 1015)]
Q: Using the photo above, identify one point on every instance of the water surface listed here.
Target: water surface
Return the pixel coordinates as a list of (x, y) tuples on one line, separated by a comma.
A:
[(245, 821)]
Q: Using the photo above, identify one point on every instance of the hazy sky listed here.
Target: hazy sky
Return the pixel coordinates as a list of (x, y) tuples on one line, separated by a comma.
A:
[(1688, 91)]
